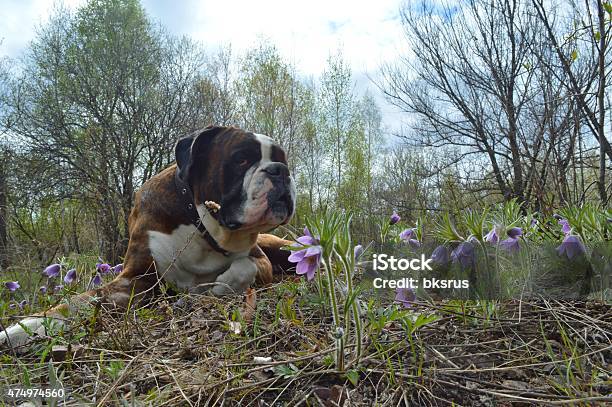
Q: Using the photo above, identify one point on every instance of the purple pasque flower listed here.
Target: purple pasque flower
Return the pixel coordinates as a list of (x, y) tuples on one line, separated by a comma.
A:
[(43, 289), (307, 259), (515, 232), (510, 244), (22, 304), (533, 222), (70, 276), (308, 239), (565, 226), (358, 251), (571, 246), (557, 216), (440, 255), (415, 244), (492, 237), (58, 288), (118, 268), (52, 270), (409, 236), (464, 254), (97, 280), (103, 268), (405, 297), (12, 286), (394, 218)]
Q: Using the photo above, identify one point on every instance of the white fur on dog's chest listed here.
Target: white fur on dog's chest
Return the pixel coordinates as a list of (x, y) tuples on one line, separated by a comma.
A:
[(184, 258)]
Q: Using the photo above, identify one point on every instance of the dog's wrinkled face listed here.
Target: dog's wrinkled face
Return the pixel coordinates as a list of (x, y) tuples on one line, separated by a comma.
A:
[(245, 173)]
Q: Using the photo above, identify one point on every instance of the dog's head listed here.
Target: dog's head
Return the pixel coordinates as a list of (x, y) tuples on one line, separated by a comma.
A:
[(245, 173)]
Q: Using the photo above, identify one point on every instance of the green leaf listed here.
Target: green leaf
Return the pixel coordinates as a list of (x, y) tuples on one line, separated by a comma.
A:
[(353, 377), (597, 36), (608, 7), (286, 371), (574, 55)]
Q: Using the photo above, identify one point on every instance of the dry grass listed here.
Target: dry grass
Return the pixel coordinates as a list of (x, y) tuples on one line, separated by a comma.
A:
[(189, 353)]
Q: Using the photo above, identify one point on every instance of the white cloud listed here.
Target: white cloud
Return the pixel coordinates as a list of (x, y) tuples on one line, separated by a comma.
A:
[(306, 33), (19, 21)]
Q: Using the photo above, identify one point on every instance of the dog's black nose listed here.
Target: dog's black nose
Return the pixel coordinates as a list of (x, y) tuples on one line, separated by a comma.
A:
[(277, 170), (233, 225)]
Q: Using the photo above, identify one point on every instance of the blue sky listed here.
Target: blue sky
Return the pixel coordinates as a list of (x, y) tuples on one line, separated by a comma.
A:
[(368, 32)]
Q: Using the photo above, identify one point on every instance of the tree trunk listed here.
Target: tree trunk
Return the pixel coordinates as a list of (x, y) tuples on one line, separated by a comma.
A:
[(601, 103), (3, 213)]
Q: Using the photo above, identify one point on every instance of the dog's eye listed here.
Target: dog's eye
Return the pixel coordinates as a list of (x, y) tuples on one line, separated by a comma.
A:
[(241, 159)]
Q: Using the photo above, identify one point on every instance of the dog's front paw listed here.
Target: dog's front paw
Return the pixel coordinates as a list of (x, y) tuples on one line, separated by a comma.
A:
[(237, 278)]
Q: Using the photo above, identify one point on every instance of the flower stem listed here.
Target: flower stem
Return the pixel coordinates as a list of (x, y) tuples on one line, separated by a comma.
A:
[(348, 268), (331, 289)]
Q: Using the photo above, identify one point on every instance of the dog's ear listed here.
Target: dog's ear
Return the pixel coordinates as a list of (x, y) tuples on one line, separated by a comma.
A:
[(191, 147)]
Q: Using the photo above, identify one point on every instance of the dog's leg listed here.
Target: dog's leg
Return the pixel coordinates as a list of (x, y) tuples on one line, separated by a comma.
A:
[(237, 278), (272, 248), (264, 266), (263, 260), (137, 282)]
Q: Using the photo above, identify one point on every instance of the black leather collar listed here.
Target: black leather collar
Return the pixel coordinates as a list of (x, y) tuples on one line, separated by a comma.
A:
[(186, 196)]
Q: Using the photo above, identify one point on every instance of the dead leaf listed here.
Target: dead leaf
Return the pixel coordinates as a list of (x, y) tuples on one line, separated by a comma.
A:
[(250, 305), (331, 397)]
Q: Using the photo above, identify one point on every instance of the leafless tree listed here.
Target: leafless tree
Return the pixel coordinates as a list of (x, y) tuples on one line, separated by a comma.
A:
[(479, 78), (581, 50)]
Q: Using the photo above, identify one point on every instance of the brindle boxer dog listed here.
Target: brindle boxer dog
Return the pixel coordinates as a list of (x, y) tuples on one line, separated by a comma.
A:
[(197, 225)]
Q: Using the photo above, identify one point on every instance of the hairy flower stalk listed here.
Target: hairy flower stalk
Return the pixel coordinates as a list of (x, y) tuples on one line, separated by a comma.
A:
[(331, 290), (348, 263)]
